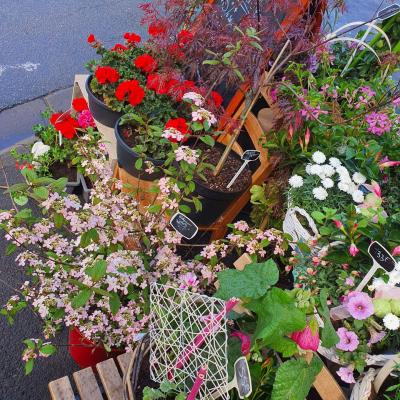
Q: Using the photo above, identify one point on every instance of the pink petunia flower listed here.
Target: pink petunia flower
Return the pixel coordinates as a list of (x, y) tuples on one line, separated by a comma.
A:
[(346, 375), (359, 305), (375, 336), (348, 340)]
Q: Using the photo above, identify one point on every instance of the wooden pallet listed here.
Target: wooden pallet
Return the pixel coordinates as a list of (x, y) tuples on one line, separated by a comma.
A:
[(106, 385)]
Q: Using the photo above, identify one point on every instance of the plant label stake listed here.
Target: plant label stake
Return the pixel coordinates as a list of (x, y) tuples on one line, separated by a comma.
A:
[(248, 156), (381, 260), (241, 379), (184, 225)]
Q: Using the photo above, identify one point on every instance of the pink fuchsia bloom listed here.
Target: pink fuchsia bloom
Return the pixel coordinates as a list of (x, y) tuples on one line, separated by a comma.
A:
[(376, 189), (386, 163), (348, 340), (396, 251), (245, 340), (359, 305), (353, 250), (349, 281), (307, 137), (379, 123), (306, 339), (346, 375), (85, 119), (338, 224)]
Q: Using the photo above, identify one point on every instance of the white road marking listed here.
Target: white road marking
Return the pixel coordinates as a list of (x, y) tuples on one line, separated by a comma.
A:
[(27, 66)]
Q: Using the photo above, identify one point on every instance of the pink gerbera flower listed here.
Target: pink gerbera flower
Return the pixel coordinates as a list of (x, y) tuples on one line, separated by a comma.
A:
[(359, 305), (348, 340)]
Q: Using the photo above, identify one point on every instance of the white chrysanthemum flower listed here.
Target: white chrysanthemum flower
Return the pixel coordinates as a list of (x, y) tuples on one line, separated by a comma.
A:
[(343, 186), (308, 168), (359, 178), (319, 157), (352, 187), (328, 170), (391, 322), (358, 196), (320, 193), (394, 277), (342, 171), (296, 181), (328, 183), (335, 162), (376, 283), (315, 169)]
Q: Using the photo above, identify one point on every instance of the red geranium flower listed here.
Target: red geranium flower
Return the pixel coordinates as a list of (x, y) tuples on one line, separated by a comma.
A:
[(64, 124), (178, 123), (157, 83), (132, 38), (146, 63), (217, 99), (157, 28), (175, 51), (119, 48), (91, 38), (177, 89), (106, 75), (79, 104), (130, 90), (184, 37)]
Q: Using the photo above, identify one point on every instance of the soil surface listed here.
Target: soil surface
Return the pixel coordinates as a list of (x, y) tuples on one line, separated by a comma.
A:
[(231, 166), (61, 170)]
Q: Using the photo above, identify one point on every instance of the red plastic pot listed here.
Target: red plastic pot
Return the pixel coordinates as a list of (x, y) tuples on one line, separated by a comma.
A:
[(86, 353)]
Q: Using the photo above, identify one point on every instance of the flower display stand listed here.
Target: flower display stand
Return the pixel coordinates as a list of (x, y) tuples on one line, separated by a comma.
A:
[(79, 90), (107, 385)]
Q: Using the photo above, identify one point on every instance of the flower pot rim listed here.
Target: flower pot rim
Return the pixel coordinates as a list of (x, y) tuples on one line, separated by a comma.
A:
[(94, 97)]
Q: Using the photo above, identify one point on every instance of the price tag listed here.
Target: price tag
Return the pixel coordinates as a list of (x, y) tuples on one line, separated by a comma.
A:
[(242, 378), (184, 225), (248, 156)]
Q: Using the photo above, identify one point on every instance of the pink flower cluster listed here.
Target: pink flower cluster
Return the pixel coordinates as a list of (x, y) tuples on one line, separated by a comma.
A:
[(379, 123)]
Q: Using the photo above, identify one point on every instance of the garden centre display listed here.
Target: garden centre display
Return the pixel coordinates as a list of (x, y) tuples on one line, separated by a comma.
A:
[(305, 284)]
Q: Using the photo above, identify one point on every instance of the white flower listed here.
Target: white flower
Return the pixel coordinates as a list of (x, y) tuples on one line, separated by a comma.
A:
[(320, 193), (376, 283), (172, 134), (343, 186), (315, 169), (39, 148), (319, 157), (327, 183), (308, 168), (358, 196), (195, 98), (352, 188), (391, 322), (343, 172), (328, 170), (335, 162), (359, 178), (394, 277), (204, 115), (185, 153), (296, 181)]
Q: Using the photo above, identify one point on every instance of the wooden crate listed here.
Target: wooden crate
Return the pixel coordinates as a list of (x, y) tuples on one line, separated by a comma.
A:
[(105, 385)]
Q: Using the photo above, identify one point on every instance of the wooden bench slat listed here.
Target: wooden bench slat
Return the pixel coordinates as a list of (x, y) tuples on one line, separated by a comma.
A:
[(111, 379), (87, 385), (124, 360), (61, 389)]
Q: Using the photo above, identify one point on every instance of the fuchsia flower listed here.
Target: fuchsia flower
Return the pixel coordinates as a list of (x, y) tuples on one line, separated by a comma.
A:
[(349, 281), (353, 250), (359, 305), (348, 340), (385, 163), (246, 341), (306, 339), (338, 224), (376, 189), (346, 375), (396, 251)]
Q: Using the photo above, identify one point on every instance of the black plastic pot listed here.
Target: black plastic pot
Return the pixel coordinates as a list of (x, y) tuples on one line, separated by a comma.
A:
[(214, 202), (126, 158), (99, 110)]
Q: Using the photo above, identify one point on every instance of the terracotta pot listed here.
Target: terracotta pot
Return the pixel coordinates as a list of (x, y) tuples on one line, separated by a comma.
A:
[(86, 353)]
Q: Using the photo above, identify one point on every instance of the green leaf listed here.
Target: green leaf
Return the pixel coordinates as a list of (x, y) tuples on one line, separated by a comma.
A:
[(29, 366), (10, 249), (41, 192), (184, 208), (197, 204), (328, 335), (98, 270), (139, 163), (211, 62), (207, 139), (252, 282), (48, 349), (154, 209), (58, 220), (81, 298), (115, 303), (277, 317), (21, 200), (294, 379), (257, 46), (89, 236), (318, 216)]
